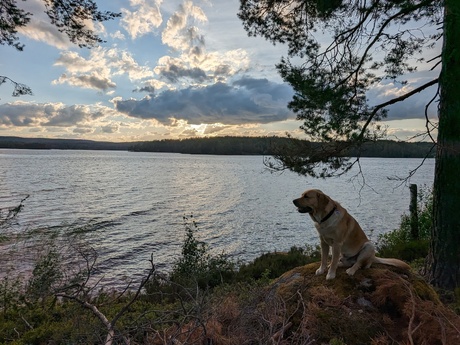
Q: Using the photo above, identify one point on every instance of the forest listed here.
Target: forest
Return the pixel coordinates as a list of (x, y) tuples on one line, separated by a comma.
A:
[(227, 145), (10, 142), (274, 145)]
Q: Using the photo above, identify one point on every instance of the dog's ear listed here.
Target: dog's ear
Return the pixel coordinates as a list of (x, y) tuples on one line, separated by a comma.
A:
[(323, 200)]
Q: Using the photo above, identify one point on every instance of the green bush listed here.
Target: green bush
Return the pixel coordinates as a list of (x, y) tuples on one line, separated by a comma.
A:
[(197, 265), (46, 274), (399, 242), (272, 265)]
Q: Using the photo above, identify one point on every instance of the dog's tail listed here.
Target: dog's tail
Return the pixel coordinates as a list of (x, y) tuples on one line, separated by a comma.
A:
[(392, 262)]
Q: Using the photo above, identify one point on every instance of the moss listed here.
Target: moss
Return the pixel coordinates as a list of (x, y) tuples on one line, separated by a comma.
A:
[(351, 327), (424, 290)]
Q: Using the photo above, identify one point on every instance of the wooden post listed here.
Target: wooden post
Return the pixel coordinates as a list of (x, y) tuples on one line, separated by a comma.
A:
[(413, 211)]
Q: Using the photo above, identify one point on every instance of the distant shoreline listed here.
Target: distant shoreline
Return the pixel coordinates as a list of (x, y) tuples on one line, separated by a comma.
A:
[(213, 146)]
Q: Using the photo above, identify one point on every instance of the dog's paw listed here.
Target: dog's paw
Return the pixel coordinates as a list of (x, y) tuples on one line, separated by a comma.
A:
[(351, 271), (320, 270), (330, 275)]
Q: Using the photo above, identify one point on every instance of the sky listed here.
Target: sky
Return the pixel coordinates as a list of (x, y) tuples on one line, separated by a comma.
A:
[(168, 70)]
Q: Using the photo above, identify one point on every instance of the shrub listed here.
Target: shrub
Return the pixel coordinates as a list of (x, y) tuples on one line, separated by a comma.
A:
[(197, 265), (399, 242), (46, 274), (10, 294), (272, 265)]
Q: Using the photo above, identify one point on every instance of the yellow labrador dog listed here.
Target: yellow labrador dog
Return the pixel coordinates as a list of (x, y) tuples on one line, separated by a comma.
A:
[(339, 230)]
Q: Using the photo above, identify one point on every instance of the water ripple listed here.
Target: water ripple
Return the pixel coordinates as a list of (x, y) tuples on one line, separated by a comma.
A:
[(130, 205)]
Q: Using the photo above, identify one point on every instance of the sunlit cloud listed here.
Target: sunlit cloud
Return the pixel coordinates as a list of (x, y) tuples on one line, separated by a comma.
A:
[(144, 19), (40, 27), (97, 71), (179, 33), (118, 35), (122, 62)]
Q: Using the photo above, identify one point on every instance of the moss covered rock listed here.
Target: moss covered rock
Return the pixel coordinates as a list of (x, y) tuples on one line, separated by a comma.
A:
[(380, 305)]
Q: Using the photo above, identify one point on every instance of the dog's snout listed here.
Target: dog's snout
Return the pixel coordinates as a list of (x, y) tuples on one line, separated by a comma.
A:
[(295, 201)]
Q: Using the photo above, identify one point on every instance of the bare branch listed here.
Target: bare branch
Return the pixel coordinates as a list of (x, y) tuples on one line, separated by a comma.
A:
[(109, 325), (19, 89), (393, 101), (138, 291)]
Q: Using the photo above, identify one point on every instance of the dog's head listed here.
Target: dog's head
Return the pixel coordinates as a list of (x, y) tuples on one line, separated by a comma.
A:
[(311, 201)]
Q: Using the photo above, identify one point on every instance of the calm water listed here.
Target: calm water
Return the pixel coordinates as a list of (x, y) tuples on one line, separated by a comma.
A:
[(133, 203)]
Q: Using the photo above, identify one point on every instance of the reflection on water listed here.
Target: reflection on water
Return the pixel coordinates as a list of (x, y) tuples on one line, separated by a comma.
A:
[(133, 203)]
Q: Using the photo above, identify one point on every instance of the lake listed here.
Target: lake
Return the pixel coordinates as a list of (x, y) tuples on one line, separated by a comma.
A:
[(129, 205)]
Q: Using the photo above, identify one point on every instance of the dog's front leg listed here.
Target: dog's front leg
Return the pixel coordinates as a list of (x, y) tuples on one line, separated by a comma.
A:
[(324, 255), (334, 262)]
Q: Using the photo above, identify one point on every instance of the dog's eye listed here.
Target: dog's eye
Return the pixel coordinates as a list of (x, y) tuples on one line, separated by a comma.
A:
[(305, 196)]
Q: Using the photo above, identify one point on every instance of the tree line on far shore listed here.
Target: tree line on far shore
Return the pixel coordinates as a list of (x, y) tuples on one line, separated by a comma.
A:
[(223, 146), (273, 145)]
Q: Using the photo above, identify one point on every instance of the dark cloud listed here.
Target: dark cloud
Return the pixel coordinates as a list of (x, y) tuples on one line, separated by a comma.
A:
[(149, 89), (245, 101), (223, 70), (89, 81), (69, 116), (174, 72)]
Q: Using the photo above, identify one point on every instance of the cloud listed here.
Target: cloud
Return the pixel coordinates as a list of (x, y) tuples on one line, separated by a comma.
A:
[(178, 34), (245, 101), (146, 88), (39, 28), (97, 71), (83, 130), (151, 86), (214, 128), (208, 68), (122, 62), (74, 63), (118, 35), (25, 114), (192, 63), (174, 69), (411, 108), (189, 133), (112, 128), (144, 20), (93, 81)]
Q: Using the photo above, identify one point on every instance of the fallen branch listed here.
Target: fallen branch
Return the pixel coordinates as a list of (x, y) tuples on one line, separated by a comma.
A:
[(110, 325)]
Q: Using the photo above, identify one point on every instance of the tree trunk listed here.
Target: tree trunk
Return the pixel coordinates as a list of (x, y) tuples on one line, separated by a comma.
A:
[(445, 243)]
